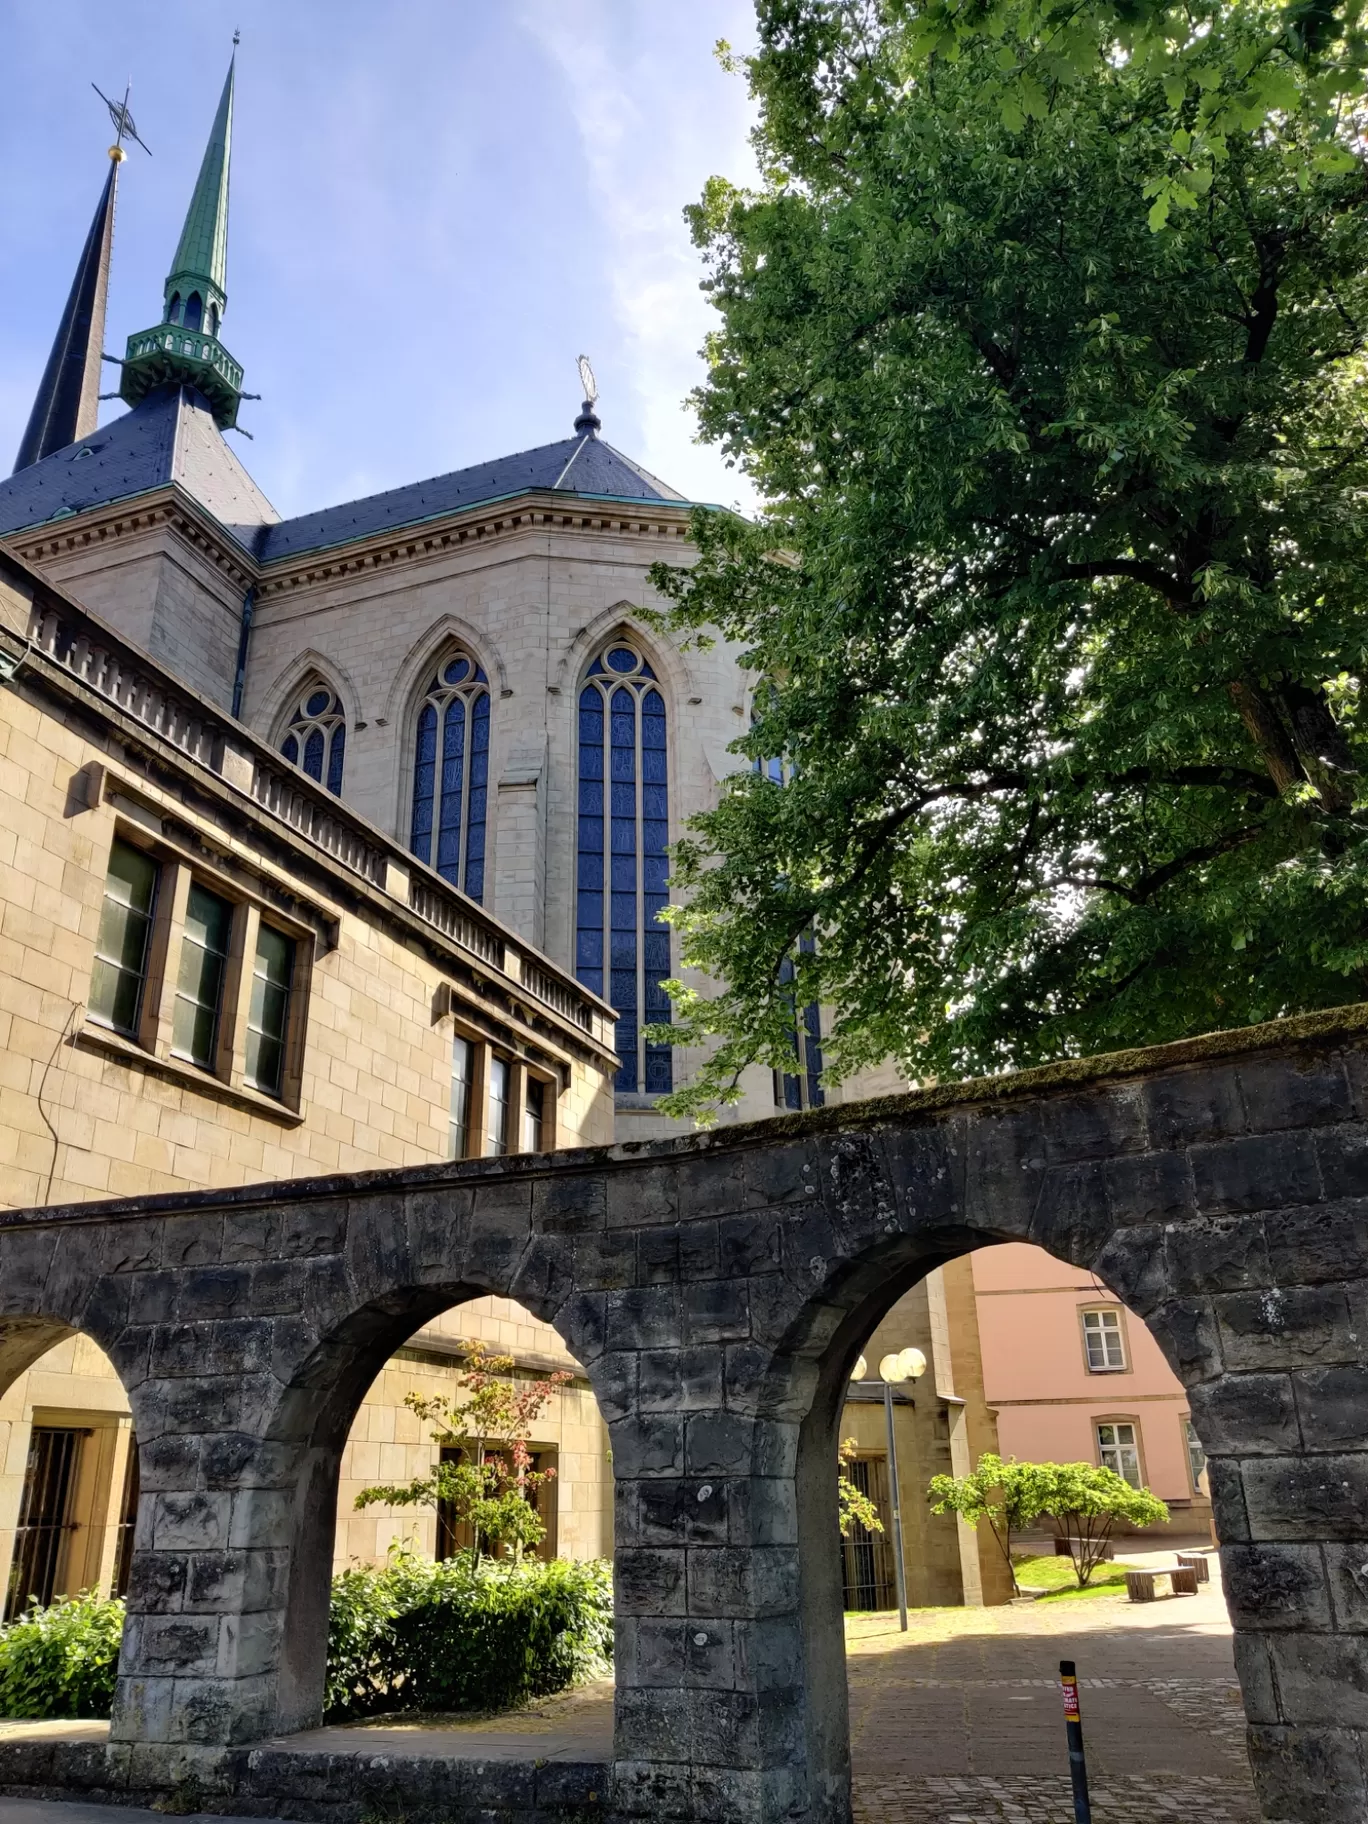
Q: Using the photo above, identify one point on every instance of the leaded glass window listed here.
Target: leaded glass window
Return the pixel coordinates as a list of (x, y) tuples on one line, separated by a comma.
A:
[(316, 737), (451, 773), (622, 946)]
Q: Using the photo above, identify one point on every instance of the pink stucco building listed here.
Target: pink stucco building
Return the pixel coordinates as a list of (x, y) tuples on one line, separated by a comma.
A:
[(1076, 1377)]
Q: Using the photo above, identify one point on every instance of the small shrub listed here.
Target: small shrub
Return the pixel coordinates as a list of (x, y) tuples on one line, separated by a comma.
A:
[(467, 1634), (61, 1661)]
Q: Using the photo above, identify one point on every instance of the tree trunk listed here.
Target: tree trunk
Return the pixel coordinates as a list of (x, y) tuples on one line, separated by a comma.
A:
[(1260, 716), (1320, 744)]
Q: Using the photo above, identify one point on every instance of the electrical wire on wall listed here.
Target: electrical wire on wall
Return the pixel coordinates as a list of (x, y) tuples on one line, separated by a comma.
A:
[(77, 1010)]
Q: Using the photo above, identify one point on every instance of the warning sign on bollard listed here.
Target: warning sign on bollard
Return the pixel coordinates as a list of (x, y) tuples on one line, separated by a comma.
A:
[(1073, 1729)]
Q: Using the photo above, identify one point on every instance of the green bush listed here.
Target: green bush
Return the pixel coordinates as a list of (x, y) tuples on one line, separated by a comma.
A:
[(412, 1635), (61, 1661), (465, 1634)]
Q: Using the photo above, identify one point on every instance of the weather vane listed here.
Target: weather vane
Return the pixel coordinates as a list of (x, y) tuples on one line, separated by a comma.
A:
[(123, 121), (588, 381)]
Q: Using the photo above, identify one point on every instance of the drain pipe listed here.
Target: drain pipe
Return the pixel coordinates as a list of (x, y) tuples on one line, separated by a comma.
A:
[(244, 635)]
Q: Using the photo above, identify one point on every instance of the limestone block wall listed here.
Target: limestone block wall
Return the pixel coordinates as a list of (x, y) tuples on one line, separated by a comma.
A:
[(151, 576), (81, 1118), (534, 602)]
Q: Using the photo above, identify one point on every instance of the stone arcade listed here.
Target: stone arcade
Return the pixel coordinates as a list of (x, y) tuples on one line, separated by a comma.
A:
[(717, 1289)]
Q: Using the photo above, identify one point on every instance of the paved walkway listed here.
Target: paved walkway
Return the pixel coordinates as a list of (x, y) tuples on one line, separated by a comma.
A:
[(956, 1722), (960, 1721)]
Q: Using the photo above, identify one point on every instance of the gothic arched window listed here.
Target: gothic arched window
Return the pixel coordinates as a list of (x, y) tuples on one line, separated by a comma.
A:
[(316, 735), (622, 949), (451, 773), (194, 310), (173, 309)]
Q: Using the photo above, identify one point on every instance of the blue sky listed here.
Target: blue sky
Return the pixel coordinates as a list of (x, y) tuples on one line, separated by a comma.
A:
[(435, 208)]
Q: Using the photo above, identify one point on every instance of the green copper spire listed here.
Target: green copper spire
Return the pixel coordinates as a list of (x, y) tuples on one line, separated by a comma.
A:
[(184, 349), (202, 256)]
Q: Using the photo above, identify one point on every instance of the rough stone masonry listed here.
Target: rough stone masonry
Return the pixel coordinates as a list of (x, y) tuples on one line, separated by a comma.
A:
[(717, 1290)]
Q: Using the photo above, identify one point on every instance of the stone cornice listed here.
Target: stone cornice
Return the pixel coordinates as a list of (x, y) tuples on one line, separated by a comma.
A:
[(534, 510), (168, 506), (538, 510)]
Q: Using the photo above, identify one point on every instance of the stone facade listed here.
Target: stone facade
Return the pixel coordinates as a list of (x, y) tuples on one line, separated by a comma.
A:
[(717, 1290), (97, 746), (532, 588)]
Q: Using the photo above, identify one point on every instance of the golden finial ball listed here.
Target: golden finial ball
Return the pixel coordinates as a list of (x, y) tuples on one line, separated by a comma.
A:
[(118, 154)]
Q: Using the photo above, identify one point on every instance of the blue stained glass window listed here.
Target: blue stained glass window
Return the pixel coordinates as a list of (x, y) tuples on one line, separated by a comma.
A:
[(801, 1087), (450, 795), (316, 735), (622, 744)]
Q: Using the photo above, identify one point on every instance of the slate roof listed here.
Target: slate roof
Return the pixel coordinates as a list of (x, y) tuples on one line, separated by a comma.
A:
[(171, 437), (576, 465)]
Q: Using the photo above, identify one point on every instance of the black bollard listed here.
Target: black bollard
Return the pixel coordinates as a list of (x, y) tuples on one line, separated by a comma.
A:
[(1073, 1728)]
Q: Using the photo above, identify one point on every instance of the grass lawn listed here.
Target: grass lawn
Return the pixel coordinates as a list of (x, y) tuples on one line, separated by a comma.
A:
[(1057, 1576)]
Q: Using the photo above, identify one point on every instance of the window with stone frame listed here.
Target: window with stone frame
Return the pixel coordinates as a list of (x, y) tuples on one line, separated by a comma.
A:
[(622, 944), (316, 735), (197, 972), (451, 773)]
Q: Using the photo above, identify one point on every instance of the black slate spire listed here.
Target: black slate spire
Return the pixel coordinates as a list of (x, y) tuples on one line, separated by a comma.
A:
[(66, 407)]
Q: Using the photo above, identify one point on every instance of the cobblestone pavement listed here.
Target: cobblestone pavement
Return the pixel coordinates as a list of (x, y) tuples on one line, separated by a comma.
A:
[(1136, 1799), (959, 1721)]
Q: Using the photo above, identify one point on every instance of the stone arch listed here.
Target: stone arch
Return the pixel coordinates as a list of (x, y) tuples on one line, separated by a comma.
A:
[(626, 618), (49, 1297), (410, 677), (400, 1275), (273, 708)]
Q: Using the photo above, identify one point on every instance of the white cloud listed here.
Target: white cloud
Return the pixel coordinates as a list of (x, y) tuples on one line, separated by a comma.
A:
[(656, 117)]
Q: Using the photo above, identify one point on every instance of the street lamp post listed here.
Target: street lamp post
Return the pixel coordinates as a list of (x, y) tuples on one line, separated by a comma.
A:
[(908, 1365)]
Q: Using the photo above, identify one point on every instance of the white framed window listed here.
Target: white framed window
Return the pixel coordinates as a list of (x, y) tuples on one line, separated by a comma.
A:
[(1104, 1341), (1118, 1448)]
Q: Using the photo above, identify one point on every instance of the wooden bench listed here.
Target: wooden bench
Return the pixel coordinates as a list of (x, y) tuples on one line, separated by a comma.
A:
[(1182, 1581), (1196, 1561)]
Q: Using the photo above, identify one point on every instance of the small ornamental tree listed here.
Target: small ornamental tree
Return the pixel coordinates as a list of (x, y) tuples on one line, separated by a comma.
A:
[(1009, 1496), (1086, 1501), (490, 1486), (853, 1504)]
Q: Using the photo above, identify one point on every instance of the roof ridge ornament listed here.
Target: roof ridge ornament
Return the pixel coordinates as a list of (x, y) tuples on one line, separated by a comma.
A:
[(588, 423), (123, 122)]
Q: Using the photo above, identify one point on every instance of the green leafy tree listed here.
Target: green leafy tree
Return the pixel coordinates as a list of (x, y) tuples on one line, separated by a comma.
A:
[(1060, 578), (853, 1506), (490, 1484), (1087, 1501), (1008, 1495)]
